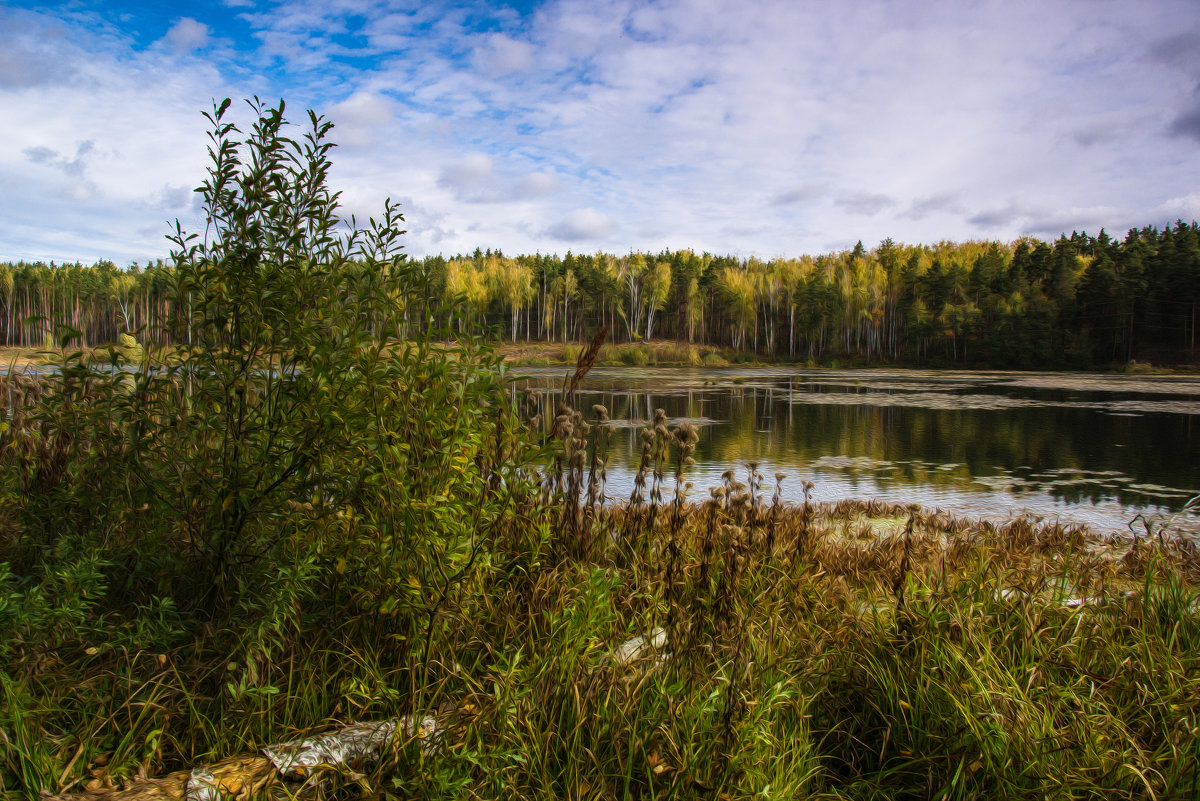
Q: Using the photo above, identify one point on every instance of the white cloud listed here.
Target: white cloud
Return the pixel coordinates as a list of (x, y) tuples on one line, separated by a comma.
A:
[(582, 225), (538, 184), (920, 208), (466, 175), (41, 154), (187, 34), (22, 67), (94, 153), (865, 203), (362, 119), (1186, 207), (769, 127), (500, 54)]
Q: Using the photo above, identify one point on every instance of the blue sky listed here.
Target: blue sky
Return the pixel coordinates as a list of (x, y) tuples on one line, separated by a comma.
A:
[(769, 128)]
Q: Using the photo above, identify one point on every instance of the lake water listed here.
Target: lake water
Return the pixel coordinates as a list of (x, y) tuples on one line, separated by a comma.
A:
[(1094, 449)]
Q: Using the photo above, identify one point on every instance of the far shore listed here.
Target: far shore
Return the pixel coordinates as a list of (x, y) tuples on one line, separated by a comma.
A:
[(19, 358), (671, 353), (657, 353)]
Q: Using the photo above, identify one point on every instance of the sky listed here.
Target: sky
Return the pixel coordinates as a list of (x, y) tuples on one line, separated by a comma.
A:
[(748, 127)]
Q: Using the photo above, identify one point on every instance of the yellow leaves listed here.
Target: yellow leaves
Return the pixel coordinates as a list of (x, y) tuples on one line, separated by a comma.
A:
[(513, 280), (658, 284), (464, 279)]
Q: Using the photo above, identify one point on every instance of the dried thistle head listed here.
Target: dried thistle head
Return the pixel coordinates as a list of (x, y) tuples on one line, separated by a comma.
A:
[(686, 435), (580, 425), (563, 425), (532, 405), (685, 438)]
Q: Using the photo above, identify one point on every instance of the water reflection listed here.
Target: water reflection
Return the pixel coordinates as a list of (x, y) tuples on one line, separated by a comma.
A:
[(1098, 449)]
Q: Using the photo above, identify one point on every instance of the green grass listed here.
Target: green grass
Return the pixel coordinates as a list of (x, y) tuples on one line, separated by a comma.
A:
[(791, 674)]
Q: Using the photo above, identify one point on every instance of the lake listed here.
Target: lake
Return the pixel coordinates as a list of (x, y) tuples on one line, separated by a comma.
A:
[(1099, 449)]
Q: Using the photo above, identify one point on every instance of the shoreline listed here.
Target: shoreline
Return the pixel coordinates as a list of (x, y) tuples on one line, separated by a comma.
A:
[(672, 353)]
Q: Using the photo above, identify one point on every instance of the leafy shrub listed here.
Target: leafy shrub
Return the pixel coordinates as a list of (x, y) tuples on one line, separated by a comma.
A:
[(285, 470)]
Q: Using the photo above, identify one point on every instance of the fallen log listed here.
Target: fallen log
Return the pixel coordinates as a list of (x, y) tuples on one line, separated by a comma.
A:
[(236, 779), (647, 644), (246, 776), (286, 764)]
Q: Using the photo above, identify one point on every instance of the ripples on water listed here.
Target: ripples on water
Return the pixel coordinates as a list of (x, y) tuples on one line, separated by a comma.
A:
[(1095, 449)]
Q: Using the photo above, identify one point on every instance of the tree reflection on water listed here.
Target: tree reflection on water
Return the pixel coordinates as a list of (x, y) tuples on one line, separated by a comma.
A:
[(1098, 449)]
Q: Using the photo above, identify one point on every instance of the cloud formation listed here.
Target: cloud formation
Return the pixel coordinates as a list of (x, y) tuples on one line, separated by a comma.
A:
[(49, 157), (22, 67), (582, 225), (1187, 124), (762, 128), (186, 35), (867, 204), (920, 208)]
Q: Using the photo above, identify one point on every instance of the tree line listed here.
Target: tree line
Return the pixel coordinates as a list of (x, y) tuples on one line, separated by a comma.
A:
[(1078, 301)]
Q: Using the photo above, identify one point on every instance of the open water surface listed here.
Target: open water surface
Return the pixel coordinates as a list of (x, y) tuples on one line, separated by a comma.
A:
[(1080, 448)]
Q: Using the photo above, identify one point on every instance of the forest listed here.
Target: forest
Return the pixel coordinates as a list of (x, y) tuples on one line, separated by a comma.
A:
[(1081, 301)]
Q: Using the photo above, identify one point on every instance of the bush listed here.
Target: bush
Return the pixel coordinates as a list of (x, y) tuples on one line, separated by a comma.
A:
[(315, 456)]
